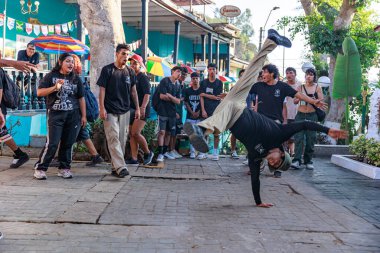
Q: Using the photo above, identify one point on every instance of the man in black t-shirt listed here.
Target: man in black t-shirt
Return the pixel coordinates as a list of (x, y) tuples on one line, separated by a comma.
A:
[(30, 55), (117, 87), (169, 98), (261, 136), (271, 95), (212, 88), (191, 97), (20, 157)]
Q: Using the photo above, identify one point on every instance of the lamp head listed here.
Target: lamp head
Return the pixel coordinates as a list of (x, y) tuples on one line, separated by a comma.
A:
[(275, 8)]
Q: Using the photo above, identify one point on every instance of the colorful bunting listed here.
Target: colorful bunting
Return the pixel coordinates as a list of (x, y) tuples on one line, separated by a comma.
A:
[(57, 29), (44, 30), (1, 19), (28, 28), (65, 29), (11, 23), (36, 29), (51, 29)]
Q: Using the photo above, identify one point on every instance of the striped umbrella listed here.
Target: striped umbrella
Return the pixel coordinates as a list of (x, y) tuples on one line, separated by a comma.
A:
[(158, 66), (189, 69), (224, 79), (56, 44)]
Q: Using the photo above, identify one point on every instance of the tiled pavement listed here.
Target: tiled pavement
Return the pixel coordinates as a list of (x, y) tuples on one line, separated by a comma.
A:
[(189, 206)]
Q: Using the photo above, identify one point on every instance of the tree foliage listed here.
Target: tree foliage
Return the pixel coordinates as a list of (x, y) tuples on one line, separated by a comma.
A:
[(319, 32)]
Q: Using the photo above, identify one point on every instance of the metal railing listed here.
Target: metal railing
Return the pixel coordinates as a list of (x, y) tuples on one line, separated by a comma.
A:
[(28, 84)]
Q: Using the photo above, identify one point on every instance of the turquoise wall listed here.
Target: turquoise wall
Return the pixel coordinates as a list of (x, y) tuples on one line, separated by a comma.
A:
[(162, 44), (222, 48), (23, 126), (50, 12)]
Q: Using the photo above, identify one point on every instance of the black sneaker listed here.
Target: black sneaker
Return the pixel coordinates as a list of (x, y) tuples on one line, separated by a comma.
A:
[(19, 160), (148, 158), (278, 39), (196, 137), (95, 160), (120, 173), (131, 161), (277, 174)]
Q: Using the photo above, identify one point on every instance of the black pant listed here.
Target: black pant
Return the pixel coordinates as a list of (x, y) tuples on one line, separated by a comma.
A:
[(63, 129)]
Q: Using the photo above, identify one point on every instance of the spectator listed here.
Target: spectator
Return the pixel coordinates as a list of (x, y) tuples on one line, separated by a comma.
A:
[(169, 98), (30, 55), (143, 92), (291, 108), (179, 113), (212, 89), (117, 87), (19, 157), (306, 112), (271, 95), (191, 98), (66, 114)]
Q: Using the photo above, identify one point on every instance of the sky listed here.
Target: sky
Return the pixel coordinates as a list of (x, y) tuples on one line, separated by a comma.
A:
[(294, 56)]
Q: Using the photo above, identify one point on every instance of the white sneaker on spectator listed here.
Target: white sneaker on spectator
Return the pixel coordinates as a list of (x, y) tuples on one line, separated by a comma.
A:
[(215, 155), (160, 158), (175, 154), (65, 173), (192, 155), (245, 162), (234, 155), (39, 174), (169, 156), (309, 166), (201, 156), (296, 165)]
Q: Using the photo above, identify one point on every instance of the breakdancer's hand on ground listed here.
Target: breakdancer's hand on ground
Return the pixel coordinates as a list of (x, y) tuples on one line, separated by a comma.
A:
[(337, 133), (265, 205)]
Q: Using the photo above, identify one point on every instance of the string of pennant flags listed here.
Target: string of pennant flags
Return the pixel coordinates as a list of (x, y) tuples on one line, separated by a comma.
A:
[(12, 23)]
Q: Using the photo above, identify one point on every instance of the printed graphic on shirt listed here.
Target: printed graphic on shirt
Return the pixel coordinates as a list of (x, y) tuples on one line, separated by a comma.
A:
[(64, 96), (277, 93), (260, 149), (194, 102), (209, 90)]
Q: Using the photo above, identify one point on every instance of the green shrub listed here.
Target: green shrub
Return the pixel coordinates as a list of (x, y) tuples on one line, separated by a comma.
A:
[(359, 147), (373, 153), (367, 150)]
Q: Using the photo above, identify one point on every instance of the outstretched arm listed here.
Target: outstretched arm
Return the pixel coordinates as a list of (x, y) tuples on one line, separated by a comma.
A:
[(290, 129)]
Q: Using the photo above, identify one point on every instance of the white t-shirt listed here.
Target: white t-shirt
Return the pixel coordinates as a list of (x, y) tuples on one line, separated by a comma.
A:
[(290, 106)]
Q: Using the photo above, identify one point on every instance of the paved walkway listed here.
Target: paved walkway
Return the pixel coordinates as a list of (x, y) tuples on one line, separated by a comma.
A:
[(189, 206)]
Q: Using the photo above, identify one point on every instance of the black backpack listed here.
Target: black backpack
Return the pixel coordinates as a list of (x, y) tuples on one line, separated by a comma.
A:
[(92, 108), (156, 99), (11, 92)]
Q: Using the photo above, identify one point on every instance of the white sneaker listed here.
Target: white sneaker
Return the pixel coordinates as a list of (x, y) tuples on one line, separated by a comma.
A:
[(192, 155), (245, 162), (160, 158), (39, 174), (201, 156), (296, 165), (175, 154), (309, 166), (65, 173), (234, 155), (215, 157), (169, 156)]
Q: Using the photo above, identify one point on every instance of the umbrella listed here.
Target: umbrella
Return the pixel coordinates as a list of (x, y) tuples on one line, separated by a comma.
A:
[(233, 79), (189, 69), (56, 44), (158, 66), (224, 79)]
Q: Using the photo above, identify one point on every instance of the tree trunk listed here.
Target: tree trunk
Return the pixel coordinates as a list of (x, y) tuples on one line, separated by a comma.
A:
[(102, 19)]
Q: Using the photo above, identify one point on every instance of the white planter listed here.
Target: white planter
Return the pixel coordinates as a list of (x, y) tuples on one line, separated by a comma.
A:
[(359, 167)]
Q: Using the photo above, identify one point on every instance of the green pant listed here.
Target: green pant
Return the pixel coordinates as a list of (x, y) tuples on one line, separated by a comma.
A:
[(305, 140)]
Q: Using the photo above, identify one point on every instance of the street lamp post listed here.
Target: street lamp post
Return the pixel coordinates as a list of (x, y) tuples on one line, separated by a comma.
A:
[(262, 30)]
